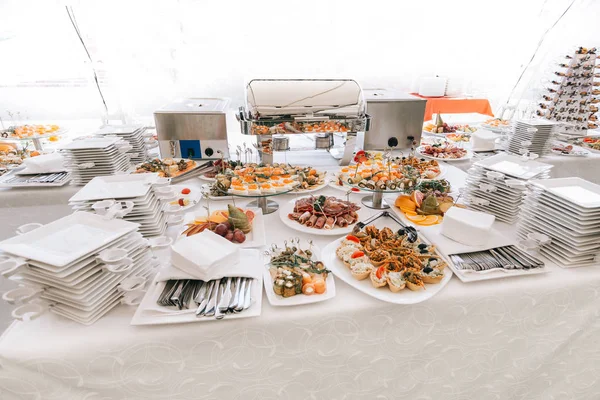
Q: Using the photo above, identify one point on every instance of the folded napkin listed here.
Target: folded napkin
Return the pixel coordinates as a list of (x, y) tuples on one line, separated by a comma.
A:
[(448, 246), (46, 163), (208, 256)]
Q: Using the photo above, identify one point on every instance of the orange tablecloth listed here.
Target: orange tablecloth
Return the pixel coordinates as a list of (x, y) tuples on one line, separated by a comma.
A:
[(453, 105)]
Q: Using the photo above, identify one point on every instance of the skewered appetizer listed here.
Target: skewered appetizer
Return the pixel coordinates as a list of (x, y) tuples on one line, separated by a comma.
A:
[(167, 167), (295, 271), (324, 212), (428, 169), (29, 131), (443, 151), (391, 259), (233, 224), (261, 179)]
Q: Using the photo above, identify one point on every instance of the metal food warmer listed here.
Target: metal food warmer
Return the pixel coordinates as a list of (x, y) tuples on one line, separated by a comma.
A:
[(193, 128), (323, 108)]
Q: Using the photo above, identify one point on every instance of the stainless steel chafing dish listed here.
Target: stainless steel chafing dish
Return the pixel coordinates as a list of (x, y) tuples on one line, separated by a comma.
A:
[(324, 107)]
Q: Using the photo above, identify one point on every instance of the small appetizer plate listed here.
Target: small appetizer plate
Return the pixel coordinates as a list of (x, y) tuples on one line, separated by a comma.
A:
[(299, 299)]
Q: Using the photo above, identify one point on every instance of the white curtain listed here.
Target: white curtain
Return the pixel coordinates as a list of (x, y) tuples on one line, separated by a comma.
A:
[(147, 53)]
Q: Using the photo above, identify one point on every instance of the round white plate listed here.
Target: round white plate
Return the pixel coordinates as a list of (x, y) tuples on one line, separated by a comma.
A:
[(495, 128), (468, 156), (288, 208), (312, 190), (405, 296), (194, 197), (298, 299)]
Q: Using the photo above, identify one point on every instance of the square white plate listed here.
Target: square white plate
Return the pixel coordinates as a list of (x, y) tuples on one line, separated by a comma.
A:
[(575, 190), (66, 240), (115, 187), (94, 143), (299, 299), (255, 238), (513, 166)]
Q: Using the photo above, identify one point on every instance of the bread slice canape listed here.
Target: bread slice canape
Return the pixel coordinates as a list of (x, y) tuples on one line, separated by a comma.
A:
[(378, 277), (395, 281)]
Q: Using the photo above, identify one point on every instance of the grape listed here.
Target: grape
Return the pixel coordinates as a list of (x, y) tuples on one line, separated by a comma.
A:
[(228, 225), (229, 235), (221, 229), (239, 236)]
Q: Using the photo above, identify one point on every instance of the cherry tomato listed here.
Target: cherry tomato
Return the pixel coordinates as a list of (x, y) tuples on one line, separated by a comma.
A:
[(186, 191), (353, 238), (379, 272), (357, 254), (181, 203)]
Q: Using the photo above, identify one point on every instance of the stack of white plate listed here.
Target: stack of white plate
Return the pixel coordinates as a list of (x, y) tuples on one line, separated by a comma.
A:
[(135, 135), (497, 185), (93, 157), (80, 266), (567, 212), (533, 136), (142, 190)]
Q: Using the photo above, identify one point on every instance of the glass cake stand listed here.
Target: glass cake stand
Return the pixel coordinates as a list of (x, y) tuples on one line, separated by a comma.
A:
[(262, 201), (375, 200)]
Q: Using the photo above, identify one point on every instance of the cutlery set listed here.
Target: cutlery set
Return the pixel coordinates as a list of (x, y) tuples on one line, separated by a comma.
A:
[(501, 258), (215, 298)]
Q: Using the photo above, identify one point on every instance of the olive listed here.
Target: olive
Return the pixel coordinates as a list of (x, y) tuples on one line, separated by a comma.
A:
[(432, 259), (401, 232), (427, 270), (422, 246), (423, 251)]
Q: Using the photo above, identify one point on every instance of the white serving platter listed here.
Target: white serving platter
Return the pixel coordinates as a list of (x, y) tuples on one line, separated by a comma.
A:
[(299, 299), (405, 296), (115, 187), (467, 156)]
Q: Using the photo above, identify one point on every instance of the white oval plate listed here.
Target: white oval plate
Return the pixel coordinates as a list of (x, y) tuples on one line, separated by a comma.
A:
[(468, 156), (194, 197), (405, 296), (287, 208), (298, 299)]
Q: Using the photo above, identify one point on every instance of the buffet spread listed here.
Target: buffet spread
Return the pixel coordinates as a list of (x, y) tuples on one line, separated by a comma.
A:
[(190, 240)]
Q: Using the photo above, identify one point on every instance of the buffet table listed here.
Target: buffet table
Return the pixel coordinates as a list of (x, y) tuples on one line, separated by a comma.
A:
[(531, 337)]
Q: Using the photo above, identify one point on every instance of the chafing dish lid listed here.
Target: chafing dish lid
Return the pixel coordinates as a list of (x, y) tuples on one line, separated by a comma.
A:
[(386, 95), (196, 105), (301, 97)]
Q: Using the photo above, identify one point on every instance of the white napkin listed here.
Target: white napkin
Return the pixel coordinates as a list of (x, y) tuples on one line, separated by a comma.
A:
[(208, 256), (46, 163), (448, 246)]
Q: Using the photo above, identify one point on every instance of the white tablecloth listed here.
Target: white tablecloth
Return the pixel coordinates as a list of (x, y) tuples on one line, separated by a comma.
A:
[(534, 337)]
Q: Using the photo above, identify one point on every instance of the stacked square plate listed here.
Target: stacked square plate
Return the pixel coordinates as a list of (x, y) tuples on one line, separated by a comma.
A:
[(142, 190), (497, 185), (563, 216), (534, 136), (135, 135), (93, 157), (80, 266)]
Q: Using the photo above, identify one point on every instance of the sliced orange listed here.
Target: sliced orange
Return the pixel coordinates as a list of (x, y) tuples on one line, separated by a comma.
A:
[(217, 218), (410, 213), (416, 218), (429, 220), (403, 199), (407, 209)]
